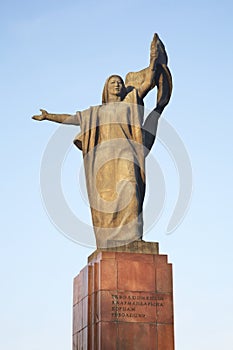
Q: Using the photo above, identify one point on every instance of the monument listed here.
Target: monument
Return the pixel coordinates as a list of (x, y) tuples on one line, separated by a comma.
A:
[(123, 298)]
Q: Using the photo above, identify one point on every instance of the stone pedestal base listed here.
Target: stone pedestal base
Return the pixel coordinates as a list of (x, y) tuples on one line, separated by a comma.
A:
[(123, 300)]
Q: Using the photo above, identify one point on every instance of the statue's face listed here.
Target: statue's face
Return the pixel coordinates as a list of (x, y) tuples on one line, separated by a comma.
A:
[(115, 86)]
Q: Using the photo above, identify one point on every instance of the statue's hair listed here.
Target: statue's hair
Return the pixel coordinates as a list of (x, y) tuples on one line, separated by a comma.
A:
[(105, 89)]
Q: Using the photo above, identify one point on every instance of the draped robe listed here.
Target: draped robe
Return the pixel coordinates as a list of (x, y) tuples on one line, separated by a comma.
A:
[(114, 162)]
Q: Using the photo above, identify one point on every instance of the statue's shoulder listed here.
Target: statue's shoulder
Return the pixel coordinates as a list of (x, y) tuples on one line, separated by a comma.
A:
[(87, 112), (132, 96)]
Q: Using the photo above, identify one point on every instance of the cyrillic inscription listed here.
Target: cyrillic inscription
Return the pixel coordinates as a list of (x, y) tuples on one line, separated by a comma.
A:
[(128, 305)]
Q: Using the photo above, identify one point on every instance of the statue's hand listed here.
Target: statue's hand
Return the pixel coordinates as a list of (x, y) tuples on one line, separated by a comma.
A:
[(41, 116), (154, 47), (158, 53)]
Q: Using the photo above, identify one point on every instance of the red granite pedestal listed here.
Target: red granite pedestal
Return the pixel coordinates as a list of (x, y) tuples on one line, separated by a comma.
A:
[(123, 300)]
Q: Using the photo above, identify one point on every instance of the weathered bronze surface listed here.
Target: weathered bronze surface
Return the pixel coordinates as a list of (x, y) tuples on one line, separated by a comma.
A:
[(115, 141)]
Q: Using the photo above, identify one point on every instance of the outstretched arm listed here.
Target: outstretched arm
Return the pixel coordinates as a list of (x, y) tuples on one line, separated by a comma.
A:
[(58, 118)]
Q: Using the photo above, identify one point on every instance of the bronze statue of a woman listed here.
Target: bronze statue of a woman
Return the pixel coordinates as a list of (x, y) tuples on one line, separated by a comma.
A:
[(115, 141)]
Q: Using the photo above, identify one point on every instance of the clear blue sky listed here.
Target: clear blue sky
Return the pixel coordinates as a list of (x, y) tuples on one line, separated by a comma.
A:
[(56, 55)]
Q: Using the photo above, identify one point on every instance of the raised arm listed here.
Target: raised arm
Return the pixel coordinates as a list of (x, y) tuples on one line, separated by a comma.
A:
[(148, 82), (58, 118), (144, 80), (156, 74)]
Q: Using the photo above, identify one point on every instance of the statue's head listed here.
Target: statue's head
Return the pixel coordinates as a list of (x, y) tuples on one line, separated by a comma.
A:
[(114, 86)]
